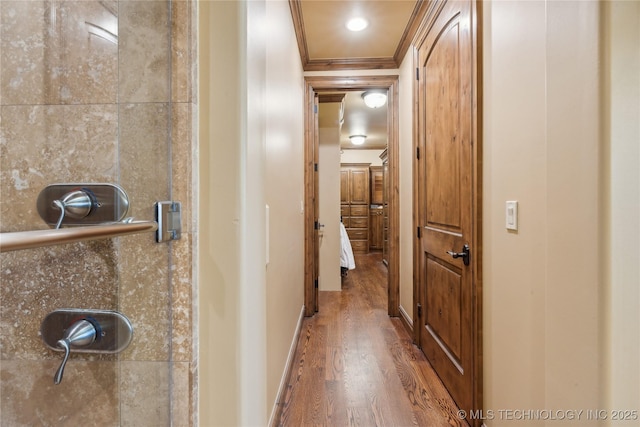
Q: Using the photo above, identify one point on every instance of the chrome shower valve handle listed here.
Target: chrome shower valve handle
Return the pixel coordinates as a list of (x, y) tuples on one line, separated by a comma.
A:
[(76, 204), (81, 334), (82, 204), (85, 331)]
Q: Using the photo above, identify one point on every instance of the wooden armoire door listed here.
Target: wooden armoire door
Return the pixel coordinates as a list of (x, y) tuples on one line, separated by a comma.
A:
[(445, 190), (359, 185), (345, 194)]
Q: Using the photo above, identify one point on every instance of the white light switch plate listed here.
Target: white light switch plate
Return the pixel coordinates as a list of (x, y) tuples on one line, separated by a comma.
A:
[(512, 215), (266, 234)]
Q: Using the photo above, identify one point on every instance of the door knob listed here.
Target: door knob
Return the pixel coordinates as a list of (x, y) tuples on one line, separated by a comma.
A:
[(81, 334), (465, 254)]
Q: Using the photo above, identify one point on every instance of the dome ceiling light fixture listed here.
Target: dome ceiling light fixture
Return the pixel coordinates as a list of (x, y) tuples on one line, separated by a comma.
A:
[(357, 24), (374, 99), (357, 139)]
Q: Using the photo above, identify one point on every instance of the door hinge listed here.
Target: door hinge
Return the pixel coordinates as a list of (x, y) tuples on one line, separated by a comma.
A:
[(419, 232), (419, 310), (418, 153), (315, 167), (315, 108), (417, 73), (315, 283), (316, 225)]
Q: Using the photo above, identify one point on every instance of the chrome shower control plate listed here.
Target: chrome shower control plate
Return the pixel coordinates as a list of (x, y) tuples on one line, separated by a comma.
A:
[(109, 203), (114, 329)]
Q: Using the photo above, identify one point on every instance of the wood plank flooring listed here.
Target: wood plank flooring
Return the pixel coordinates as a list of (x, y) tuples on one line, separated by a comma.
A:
[(356, 366)]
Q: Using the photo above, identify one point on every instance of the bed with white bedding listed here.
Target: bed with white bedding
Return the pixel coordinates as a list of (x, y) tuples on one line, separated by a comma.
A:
[(347, 262)]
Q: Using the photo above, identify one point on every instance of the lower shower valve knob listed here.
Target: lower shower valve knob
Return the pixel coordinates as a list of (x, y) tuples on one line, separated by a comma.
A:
[(85, 331), (81, 334)]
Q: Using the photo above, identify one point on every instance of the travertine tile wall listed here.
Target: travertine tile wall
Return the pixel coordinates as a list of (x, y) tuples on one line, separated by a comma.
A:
[(78, 104)]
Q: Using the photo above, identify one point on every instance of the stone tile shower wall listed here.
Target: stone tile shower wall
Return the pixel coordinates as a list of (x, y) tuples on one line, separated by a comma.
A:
[(97, 91)]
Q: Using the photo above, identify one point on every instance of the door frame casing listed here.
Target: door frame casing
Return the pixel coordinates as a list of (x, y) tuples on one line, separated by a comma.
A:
[(476, 182), (319, 84)]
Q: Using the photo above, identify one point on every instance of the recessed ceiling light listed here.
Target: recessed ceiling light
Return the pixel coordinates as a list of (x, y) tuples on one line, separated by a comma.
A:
[(357, 139), (357, 24)]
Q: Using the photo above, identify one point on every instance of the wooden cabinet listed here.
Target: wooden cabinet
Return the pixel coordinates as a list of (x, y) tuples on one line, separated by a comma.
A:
[(375, 185), (375, 228), (356, 181), (354, 208), (345, 194), (376, 195)]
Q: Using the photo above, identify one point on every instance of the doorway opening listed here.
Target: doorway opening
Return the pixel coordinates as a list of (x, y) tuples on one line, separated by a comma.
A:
[(314, 87), (353, 208)]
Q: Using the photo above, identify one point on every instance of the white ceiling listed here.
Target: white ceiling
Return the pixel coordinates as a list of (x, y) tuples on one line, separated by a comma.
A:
[(362, 120), (326, 44), (328, 38), (358, 119)]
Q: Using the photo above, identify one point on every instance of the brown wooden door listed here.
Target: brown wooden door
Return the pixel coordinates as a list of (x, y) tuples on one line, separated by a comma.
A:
[(311, 192), (385, 207), (316, 204), (445, 200)]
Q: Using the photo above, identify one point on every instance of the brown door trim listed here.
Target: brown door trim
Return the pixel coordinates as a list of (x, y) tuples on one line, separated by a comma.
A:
[(476, 182), (319, 84)]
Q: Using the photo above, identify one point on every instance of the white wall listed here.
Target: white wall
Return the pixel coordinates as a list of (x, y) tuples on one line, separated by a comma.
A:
[(573, 207), (218, 260), (252, 350), (251, 129), (361, 156), (621, 86), (514, 163), (329, 192), (284, 191), (542, 308)]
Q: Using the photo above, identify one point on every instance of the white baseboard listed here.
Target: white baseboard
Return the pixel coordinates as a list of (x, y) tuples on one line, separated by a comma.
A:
[(287, 367)]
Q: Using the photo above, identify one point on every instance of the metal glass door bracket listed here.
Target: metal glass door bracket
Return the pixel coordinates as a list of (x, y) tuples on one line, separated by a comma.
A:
[(169, 218)]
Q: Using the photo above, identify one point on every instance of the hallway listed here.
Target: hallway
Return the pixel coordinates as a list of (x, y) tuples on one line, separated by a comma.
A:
[(356, 366)]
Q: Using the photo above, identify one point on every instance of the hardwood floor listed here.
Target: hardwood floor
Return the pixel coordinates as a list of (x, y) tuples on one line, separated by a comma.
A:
[(356, 366)]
